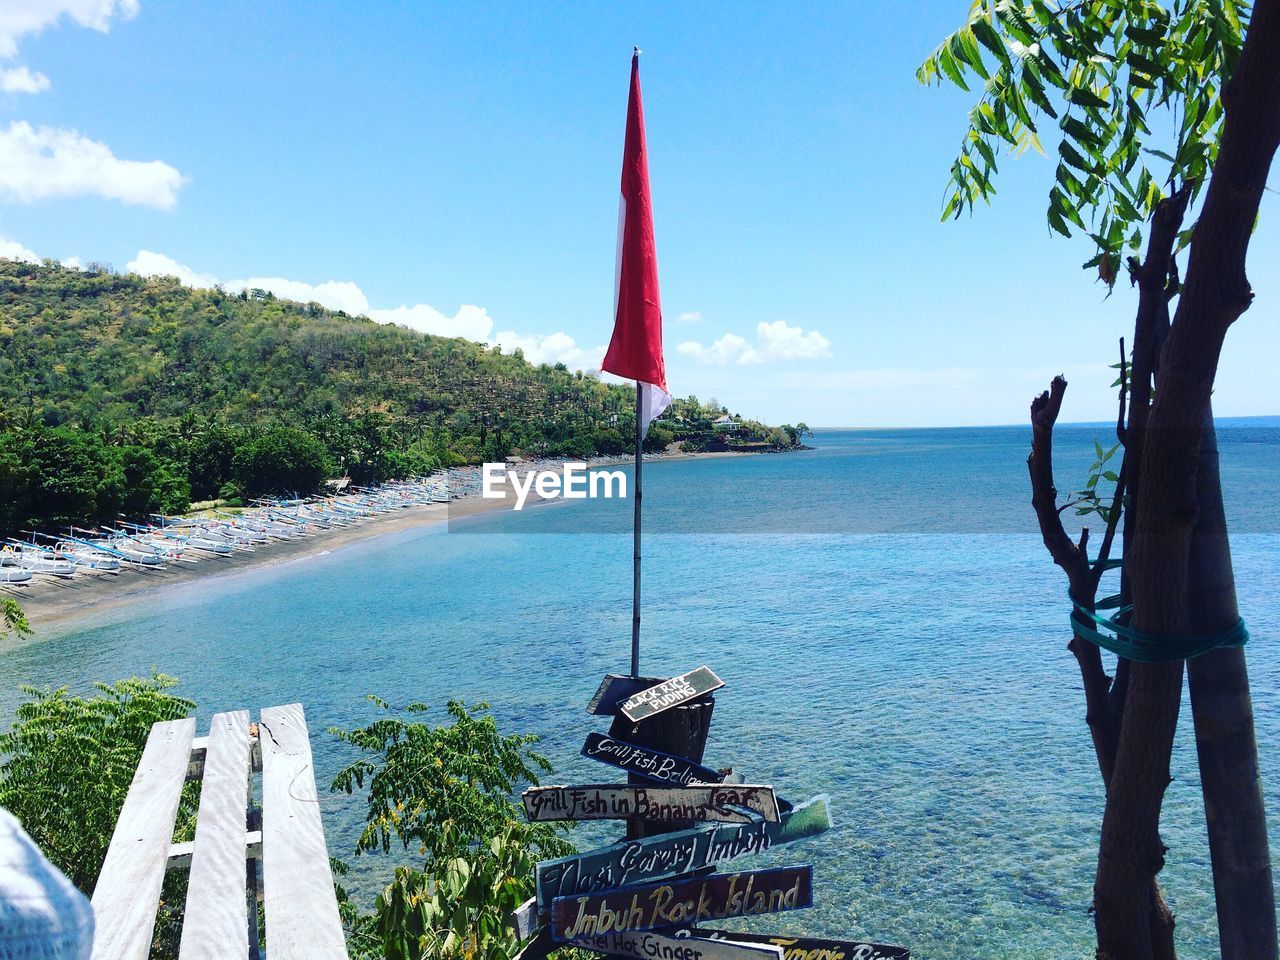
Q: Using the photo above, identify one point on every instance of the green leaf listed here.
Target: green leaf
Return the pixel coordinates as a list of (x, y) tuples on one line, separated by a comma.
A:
[(952, 70), (1147, 36), (988, 37), (1086, 98)]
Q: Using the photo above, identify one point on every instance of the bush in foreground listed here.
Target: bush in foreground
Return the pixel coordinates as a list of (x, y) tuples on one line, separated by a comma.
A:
[(446, 792)]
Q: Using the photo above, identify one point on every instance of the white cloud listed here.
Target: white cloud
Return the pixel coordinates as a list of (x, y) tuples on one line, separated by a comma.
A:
[(693, 316), (37, 163), (774, 341), (149, 264), (333, 294), (21, 17), (12, 250), (551, 348), (72, 263), (471, 322), (22, 80)]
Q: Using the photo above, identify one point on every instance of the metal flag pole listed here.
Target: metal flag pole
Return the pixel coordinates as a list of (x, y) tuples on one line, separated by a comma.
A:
[(635, 557)]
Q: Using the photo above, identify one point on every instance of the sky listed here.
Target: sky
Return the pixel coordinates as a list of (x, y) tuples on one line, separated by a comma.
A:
[(455, 167)]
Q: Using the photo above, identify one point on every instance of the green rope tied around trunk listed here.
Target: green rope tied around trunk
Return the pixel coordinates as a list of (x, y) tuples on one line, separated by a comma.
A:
[(1132, 644)]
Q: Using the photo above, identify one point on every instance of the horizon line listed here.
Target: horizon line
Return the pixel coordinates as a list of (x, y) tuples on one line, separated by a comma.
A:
[(991, 426)]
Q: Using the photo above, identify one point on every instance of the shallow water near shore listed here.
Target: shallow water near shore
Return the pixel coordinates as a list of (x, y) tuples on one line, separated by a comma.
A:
[(911, 662)]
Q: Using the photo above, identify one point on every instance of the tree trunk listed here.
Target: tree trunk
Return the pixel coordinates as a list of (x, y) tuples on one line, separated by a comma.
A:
[(1215, 294), (1225, 742)]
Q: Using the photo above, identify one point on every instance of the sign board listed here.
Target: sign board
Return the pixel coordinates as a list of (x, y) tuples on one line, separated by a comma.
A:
[(682, 901), (616, 688), (666, 855), (806, 948), (656, 946), (670, 693), (645, 762), (656, 804), (524, 918)]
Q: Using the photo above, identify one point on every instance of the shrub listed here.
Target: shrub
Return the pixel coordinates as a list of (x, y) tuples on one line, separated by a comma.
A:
[(68, 762), (281, 460), (447, 792)]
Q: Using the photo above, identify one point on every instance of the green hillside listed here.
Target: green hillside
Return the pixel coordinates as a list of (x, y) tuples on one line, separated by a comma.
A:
[(119, 392), (102, 348)]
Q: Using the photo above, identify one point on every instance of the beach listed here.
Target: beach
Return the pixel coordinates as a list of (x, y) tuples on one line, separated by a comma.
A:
[(48, 600)]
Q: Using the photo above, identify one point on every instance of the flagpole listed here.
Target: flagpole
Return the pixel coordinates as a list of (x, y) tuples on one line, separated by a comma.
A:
[(635, 557)]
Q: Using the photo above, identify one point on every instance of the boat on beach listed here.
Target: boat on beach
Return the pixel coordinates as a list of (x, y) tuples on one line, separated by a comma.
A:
[(15, 576), (39, 561), (160, 541)]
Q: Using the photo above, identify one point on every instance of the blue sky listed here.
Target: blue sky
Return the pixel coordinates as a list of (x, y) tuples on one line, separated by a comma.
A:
[(461, 161)]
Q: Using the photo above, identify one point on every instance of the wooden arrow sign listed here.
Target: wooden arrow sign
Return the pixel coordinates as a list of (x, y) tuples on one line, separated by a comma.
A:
[(665, 855), (614, 689), (670, 693), (655, 946), (805, 948), (682, 901), (645, 762), (657, 804)]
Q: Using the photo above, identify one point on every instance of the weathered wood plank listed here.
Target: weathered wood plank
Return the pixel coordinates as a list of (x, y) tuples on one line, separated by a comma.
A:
[(645, 762), (656, 946), (180, 853), (615, 688), (682, 901), (301, 908), (127, 894), (809, 948), (606, 801), (670, 693), (524, 918), (665, 855), (216, 923)]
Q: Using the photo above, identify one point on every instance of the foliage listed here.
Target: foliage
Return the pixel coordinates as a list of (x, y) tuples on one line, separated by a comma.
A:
[(66, 765), (447, 792), (459, 907), (54, 476), (1090, 500), (12, 617), (1114, 74), (442, 789), (281, 459)]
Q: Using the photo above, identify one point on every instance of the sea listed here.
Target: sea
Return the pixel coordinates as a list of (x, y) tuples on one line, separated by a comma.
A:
[(889, 627)]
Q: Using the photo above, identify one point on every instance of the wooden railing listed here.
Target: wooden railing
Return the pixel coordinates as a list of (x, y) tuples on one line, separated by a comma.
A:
[(233, 835)]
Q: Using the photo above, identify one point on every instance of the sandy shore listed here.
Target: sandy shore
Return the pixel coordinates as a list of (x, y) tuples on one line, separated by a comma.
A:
[(47, 600)]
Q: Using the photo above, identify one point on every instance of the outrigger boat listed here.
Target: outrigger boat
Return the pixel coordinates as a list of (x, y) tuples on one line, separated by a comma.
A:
[(38, 560)]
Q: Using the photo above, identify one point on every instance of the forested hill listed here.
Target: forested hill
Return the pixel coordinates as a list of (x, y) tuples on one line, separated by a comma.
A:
[(84, 347), (123, 393)]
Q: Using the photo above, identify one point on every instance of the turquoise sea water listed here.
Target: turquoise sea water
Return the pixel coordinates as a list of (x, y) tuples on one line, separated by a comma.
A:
[(897, 640)]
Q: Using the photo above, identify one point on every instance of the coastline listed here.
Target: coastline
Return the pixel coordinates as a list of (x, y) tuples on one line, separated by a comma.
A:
[(51, 601)]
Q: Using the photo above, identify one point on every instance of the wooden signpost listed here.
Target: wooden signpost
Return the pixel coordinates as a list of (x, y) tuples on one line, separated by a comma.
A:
[(646, 896), (661, 804), (656, 946), (667, 855), (644, 762), (690, 900), (670, 693), (804, 948), (614, 689)]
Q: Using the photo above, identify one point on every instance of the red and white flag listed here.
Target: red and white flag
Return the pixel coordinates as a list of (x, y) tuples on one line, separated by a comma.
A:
[(635, 352)]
